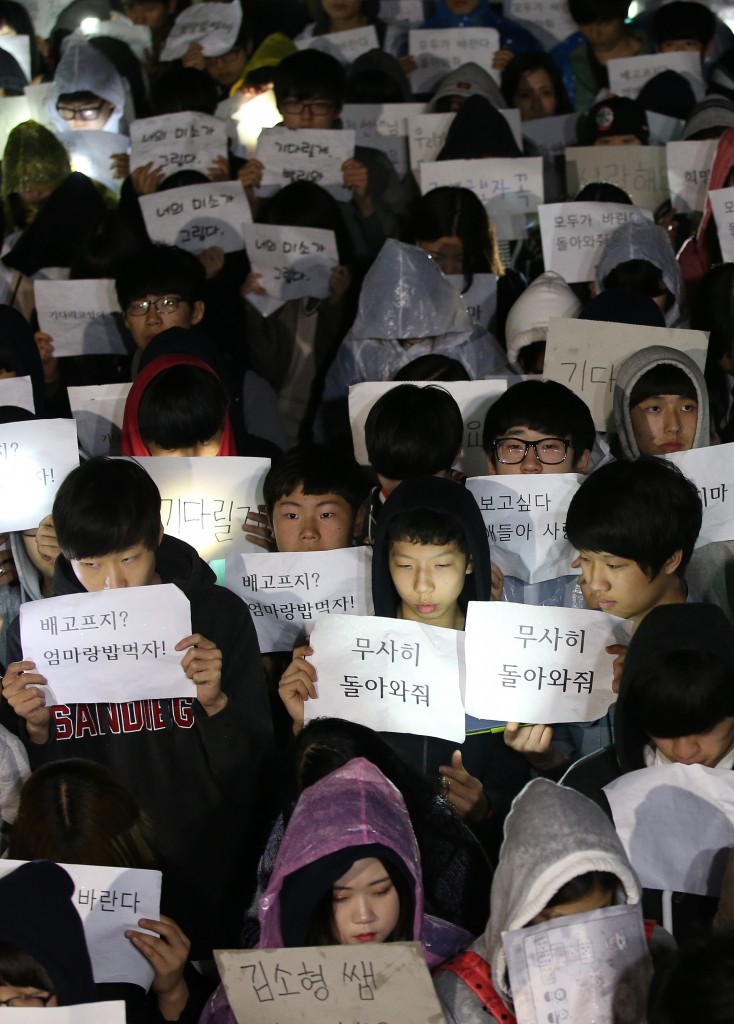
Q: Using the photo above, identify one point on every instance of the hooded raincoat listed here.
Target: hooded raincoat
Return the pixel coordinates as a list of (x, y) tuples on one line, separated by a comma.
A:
[(407, 308), (551, 837), (354, 808), (545, 297), (640, 239), (83, 68)]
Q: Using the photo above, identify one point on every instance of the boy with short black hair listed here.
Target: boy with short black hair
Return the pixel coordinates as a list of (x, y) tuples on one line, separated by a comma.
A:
[(312, 495), (310, 87), (635, 525), (532, 412), (194, 764), (684, 26), (161, 287), (431, 557), (410, 431)]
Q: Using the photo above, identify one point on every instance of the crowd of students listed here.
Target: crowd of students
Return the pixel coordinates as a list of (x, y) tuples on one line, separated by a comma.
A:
[(271, 830)]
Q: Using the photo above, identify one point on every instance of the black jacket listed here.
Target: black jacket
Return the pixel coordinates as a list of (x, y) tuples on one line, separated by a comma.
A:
[(199, 778)]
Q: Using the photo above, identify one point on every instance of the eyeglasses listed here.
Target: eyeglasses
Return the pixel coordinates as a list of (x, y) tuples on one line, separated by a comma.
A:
[(80, 113), (319, 108), (550, 451), (164, 306), (36, 999)]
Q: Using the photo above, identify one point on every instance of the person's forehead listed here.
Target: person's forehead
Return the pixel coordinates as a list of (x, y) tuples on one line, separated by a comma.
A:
[(133, 549), (298, 498), (527, 434)]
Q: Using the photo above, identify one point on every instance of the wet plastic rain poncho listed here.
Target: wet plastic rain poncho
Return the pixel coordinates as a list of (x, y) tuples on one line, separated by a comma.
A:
[(353, 807), (405, 296), (83, 68), (552, 835), (632, 369), (640, 239)]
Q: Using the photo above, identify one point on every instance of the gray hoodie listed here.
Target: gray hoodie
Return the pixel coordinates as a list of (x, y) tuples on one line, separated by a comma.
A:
[(84, 68), (465, 81), (552, 835), (632, 369), (640, 239)]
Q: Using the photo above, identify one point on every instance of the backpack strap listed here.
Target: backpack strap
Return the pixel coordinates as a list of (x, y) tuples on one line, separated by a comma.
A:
[(475, 972)]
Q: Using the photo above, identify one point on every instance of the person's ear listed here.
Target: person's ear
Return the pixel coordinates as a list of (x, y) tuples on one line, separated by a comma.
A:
[(469, 566), (582, 463), (673, 563), (708, 50), (160, 535), (197, 312), (491, 468)]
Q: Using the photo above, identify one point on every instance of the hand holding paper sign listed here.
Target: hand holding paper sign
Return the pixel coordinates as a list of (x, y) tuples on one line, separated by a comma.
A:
[(356, 179), (202, 663), (167, 955), (20, 689), (463, 791), (535, 742), (297, 686)]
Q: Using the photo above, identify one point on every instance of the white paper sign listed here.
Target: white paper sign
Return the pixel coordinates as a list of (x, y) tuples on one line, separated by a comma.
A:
[(213, 26), (639, 170), (525, 517), (138, 37), (480, 298), (294, 263), (548, 20), (574, 235), (382, 126), (587, 967), (722, 205), (18, 392), (440, 50), (585, 355), (37, 95), (20, 48), (534, 663), (13, 111), (511, 188), (206, 501), (627, 75), (82, 317), (676, 822), (663, 129), (473, 397), (305, 154), (91, 154), (195, 217), (288, 592), (689, 170), (380, 982), (84, 1013), (345, 46), (175, 142), (712, 471), (109, 901), (44, 14), (35, 457), (99, 410), (391, 675), (551, 135), (426, 136), (110, 646)]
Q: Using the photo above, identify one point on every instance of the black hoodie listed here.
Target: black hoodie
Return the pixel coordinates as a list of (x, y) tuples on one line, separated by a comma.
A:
[(199, 778), (668, 629), (503, 772)]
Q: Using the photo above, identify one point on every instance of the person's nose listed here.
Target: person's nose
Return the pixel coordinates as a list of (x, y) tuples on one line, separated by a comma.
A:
[(363, 911), (531, 463), (596, 578), (423, 582), (309, 527), (671, 422), (153, 316), (115, 579)]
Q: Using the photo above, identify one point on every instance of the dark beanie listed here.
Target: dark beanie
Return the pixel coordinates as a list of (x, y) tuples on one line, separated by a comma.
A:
[(617, 115), (478, 131), (668, 93), (38, 916), (683, 19)]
